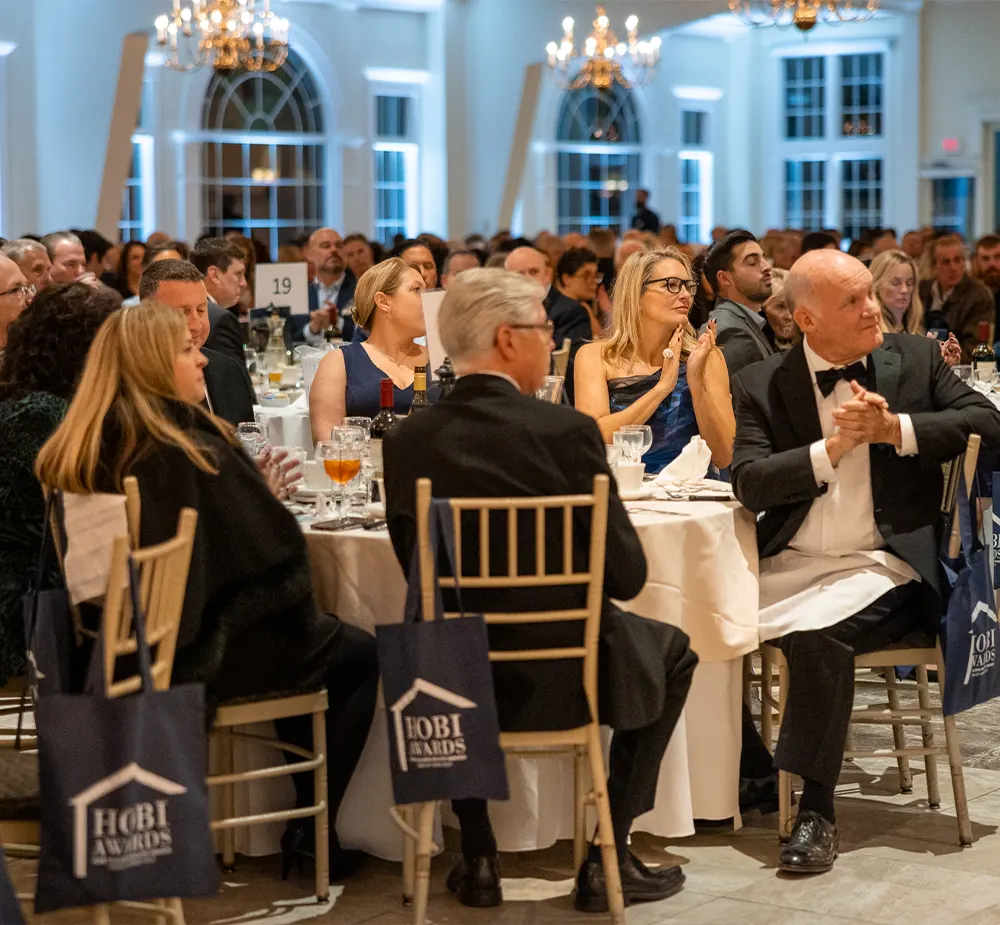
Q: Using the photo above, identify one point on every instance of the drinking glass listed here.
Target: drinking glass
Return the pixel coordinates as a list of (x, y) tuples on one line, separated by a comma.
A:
[(341, 458), (634, 440), (253, 436), (982, 378), (614, 454), (292, 459), (964, 372), (551, 389), (359, 490)]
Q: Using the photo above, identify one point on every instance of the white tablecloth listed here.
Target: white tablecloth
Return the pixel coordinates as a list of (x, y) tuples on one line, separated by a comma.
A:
[(702, 578), (288, 426)]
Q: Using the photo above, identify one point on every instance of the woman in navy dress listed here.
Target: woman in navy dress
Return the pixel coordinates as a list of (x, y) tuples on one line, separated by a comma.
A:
[(387, 304), (654, 369)]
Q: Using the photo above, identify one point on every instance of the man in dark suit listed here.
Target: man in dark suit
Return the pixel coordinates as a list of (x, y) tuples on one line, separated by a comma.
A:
[(645, 218), (953, 301), (179, 284), (740, 277), (839, 445), (221, 262), (331, 293), (491, 437)]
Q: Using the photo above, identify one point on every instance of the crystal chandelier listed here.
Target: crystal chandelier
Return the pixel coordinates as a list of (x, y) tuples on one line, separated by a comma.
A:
[(603, 60), (228, 34), (803, 14)]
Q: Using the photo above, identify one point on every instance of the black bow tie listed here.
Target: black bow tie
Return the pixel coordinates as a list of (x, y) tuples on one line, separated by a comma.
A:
[(827, 379)]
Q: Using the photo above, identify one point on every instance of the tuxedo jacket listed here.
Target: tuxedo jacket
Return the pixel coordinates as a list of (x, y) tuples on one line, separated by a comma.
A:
[(229, 387), (572, 320), (777, 420), (740, 337), (344, 298), (969, 303), (486, 439), (226, 335)]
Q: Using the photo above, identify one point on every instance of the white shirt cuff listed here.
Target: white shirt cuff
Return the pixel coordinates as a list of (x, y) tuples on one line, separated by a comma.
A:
[(823, 470), (908, 444), (313, 339)]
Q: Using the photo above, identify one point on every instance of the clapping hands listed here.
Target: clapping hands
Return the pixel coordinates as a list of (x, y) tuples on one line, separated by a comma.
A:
[(866, 418)]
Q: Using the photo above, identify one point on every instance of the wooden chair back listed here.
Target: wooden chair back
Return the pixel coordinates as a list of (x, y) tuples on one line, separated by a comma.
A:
[(591, 579), (133, 509), (966, 462), (560, 358), (162, 573)]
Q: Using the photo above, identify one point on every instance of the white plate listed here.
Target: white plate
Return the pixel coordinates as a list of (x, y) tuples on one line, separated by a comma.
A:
[(647, 491), (308, 494)]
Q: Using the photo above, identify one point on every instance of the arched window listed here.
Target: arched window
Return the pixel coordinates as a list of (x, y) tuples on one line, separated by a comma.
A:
[(263, 160), (598, 150)]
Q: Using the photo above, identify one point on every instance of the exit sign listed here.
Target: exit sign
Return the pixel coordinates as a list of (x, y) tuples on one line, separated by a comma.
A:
[(951, 146)]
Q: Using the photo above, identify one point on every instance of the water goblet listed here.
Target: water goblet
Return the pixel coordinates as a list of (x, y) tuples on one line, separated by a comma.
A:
[(341, 458), (638, 438), (361, 488), (253, 436)]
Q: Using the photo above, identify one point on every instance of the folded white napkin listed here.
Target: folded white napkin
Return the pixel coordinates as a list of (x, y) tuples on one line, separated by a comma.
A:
[(92, 524), (324, 507), (691, 466)]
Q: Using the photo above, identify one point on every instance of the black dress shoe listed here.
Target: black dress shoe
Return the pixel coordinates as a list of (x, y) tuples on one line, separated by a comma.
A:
[(760, 794), (670, 873), (813, 847), (637, 886), (476, 882)]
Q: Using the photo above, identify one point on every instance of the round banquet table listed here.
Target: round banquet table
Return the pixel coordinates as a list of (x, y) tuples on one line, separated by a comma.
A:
[(288, 426), (702, 577)]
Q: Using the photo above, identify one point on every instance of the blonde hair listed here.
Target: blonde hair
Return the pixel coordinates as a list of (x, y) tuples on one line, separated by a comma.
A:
[(622, 347), (881, 267), (385, 277), (129, 377)]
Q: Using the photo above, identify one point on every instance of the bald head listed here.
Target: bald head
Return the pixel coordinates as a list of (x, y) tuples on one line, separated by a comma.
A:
[(325, 252), (830, 295), (531, 263)]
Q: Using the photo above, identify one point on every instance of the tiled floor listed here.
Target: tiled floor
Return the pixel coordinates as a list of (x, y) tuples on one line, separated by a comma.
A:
[(900, 863)]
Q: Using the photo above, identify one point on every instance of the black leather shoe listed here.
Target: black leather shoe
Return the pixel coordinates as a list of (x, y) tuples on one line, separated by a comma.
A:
[(813, 847), (669, 874), (638, 886), (476, 882), (760, 794)]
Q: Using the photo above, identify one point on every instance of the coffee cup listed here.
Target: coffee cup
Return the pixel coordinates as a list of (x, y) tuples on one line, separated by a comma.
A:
[(629, 476)]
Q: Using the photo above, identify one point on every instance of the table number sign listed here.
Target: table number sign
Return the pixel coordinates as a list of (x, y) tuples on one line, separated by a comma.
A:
[(284, 285)]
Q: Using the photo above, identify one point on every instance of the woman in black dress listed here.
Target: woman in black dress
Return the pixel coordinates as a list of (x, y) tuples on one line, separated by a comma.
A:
[(250, 624)]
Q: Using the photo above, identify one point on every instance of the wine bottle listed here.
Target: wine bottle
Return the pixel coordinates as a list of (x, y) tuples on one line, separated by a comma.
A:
[(382, 423), (419, 390), (984, 361)]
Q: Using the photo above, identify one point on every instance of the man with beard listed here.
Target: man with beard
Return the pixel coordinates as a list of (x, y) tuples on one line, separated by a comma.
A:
[(988, 270), (740, 276), (331, 292)]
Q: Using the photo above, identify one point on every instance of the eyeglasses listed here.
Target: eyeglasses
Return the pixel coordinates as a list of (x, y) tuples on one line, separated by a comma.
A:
[(675, 284), (591, 278), (548, 326), (22, 292)]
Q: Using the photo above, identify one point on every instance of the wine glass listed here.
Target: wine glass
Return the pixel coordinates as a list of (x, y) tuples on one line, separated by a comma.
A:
[(360, 493), (341, 458), (253, 436), (643, 442)]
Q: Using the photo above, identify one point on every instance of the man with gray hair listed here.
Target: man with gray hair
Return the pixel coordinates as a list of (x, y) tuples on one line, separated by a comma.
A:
[(491, 437), (69, 260), (32, 258)]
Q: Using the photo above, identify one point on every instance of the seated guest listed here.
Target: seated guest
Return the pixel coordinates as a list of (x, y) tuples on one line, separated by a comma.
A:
[(503, 442), (180, 285), (418, 254), (162, 250), (250, 624), (15, 295), (987, 264), (129, 268), (953, 300), (704, 298), (388, 305), (817, 241), (330, 292), (847, 498), (913, 244), (46, 350), (458, 262), (779, 317), (740, 276), (578, 277), (358, 254), (32, 259), (95, 249), (66, 254), (222, 263), (655, 369)]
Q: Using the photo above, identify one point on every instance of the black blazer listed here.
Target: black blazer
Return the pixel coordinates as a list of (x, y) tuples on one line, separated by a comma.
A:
[(344, 299), (226, 335), (485, 439), (777, 420), (229, 387), (572, 320), (742, 340), (969, 303)]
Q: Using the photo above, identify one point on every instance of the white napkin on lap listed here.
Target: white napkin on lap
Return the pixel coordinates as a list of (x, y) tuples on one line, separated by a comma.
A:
[(691, 466)]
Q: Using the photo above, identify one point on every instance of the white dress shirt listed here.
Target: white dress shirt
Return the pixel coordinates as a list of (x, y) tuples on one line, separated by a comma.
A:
[(836, 564), (326, 295)]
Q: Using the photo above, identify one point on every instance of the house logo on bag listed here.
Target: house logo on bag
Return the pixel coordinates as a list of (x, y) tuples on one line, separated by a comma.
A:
[(434, 741), (982, 644), (120, 838)]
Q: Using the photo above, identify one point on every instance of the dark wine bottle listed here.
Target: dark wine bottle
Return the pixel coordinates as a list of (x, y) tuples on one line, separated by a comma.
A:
[(419, 390), (984, 361), (382, 423)]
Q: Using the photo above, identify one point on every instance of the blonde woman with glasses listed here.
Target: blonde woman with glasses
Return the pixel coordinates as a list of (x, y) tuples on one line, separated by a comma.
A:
[(654, 369)]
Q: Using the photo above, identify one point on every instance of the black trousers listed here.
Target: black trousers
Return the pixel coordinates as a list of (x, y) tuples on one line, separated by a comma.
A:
[(351, 680), (821, 680), (633, 767)]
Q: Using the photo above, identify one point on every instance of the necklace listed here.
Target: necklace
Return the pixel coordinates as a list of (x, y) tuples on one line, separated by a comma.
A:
[(386, 355)]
